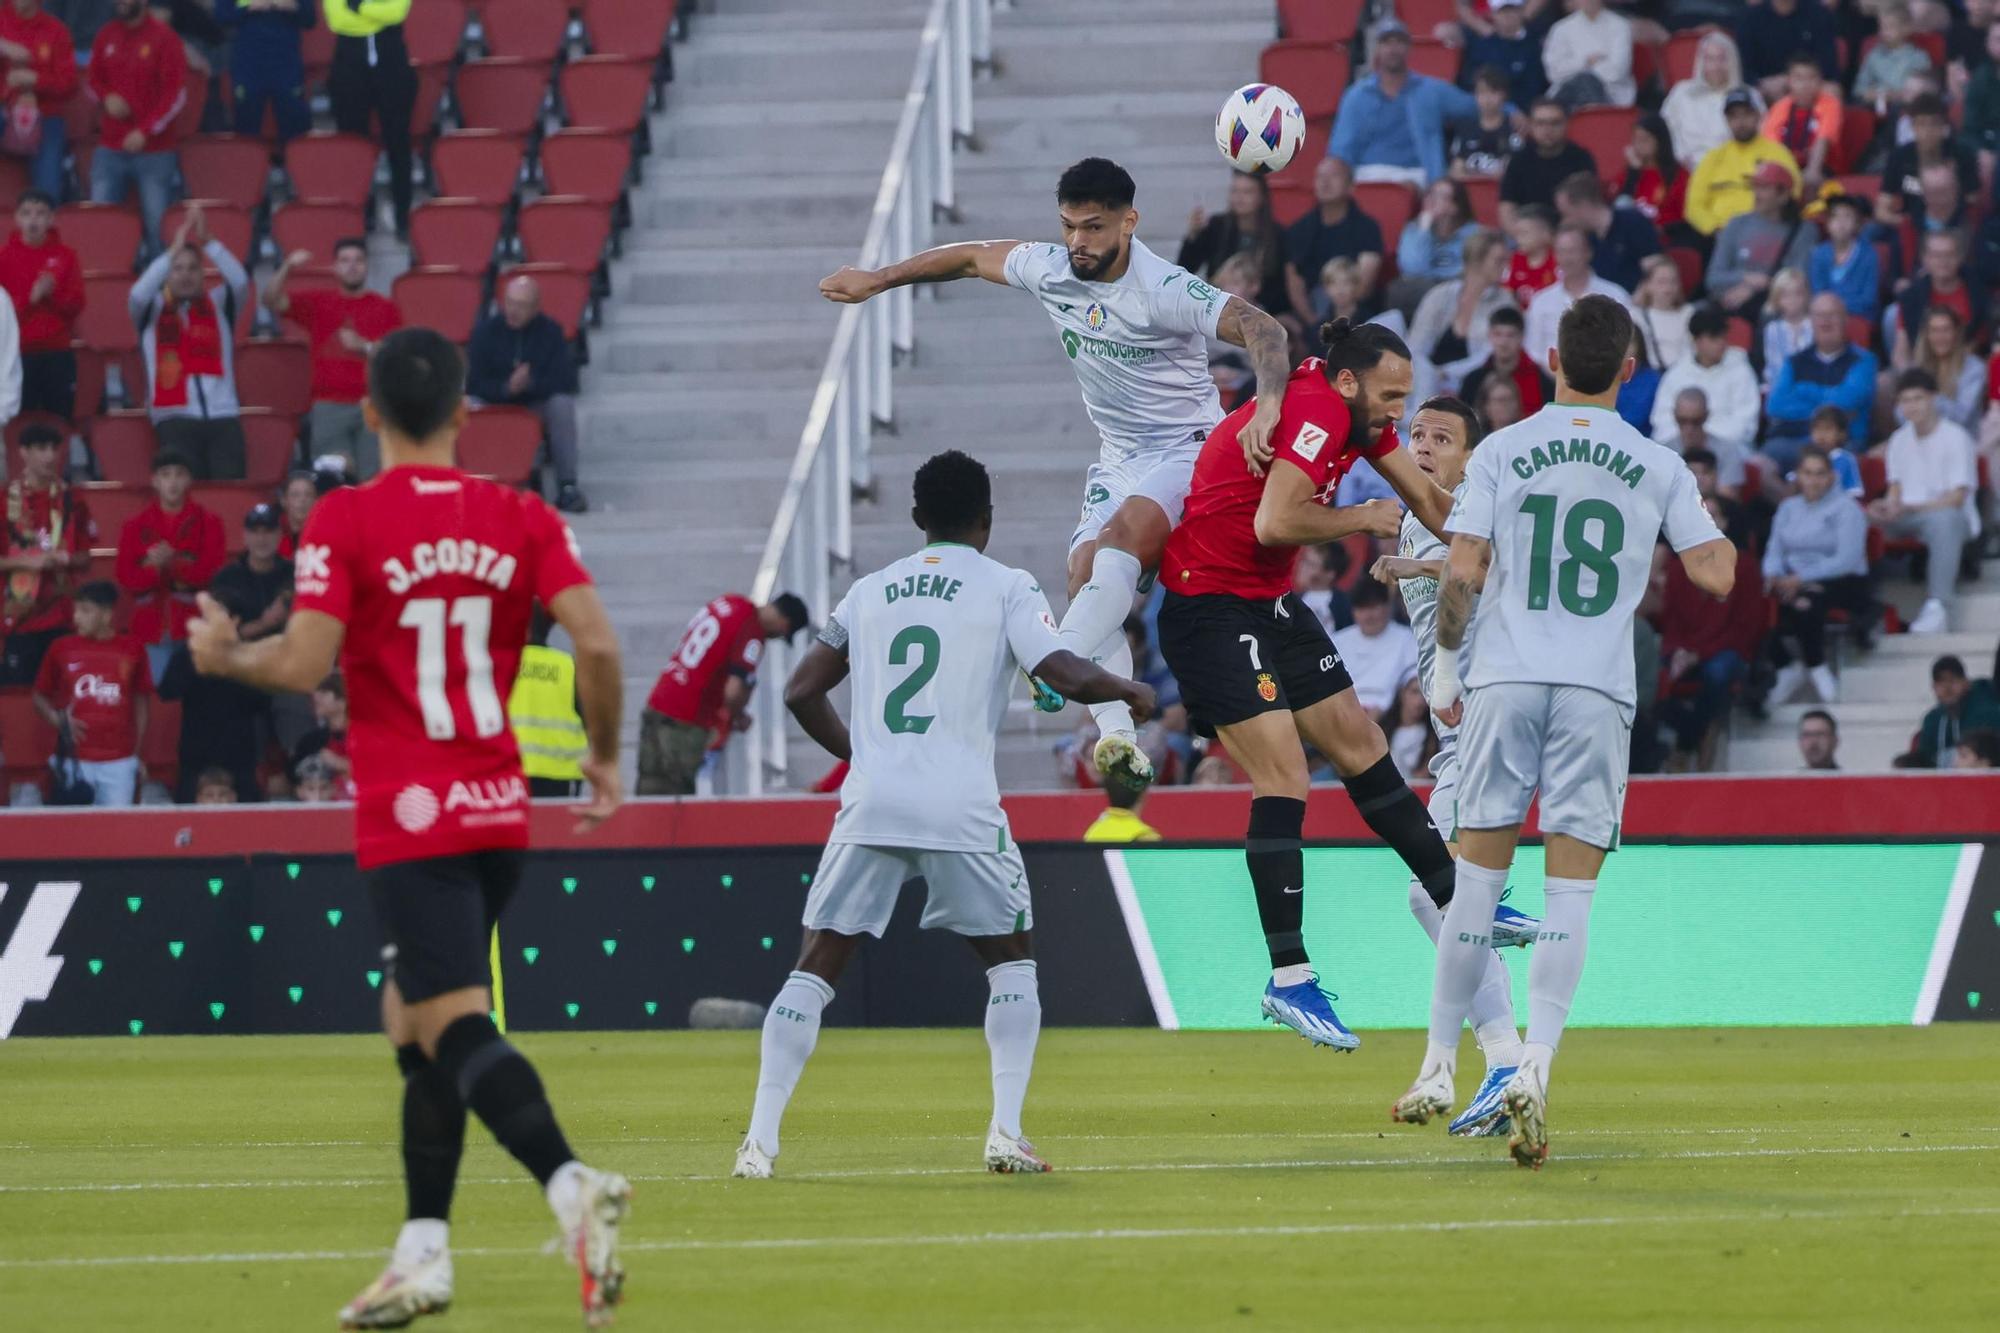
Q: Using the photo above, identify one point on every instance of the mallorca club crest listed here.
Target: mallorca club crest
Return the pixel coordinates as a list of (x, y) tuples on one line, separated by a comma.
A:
[(1267, 689), (1093, 315)]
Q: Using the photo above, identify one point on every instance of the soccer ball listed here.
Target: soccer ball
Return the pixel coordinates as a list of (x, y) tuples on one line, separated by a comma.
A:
[(1259, 128)]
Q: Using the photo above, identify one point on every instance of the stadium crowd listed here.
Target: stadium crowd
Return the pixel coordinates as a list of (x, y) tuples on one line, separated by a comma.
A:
[(170, 419)]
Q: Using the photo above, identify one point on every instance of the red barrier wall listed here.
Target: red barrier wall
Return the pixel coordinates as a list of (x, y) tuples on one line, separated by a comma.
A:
[(1903, 805)]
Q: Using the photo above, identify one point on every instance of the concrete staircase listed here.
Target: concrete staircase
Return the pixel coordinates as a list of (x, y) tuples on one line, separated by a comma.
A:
[(1883, 694)]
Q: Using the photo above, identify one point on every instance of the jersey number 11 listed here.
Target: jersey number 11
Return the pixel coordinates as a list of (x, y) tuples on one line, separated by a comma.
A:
[(473, 617)]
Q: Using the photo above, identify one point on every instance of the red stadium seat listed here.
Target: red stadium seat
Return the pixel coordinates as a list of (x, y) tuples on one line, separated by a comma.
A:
[(454, 233), (593, 164), (500, 442), (434, 30), (111, 505), (504, 95), (1315, 73), (316, 46), (1483, 192), (565, 292), (226, 223), (315, 227), (234, 167), (1861, 331), (563, 229), (105, 236), (1290, 200), (444, 299), (123, 444), (230, 501), (106, 322), (1874, 476), (432, 81), (1320, 20), (160, 747), (93, 377), (1741, 332), (606, 92), (26, 741), (1391, 205), (332, 166), (1645, 63), (1678, 63), (484, 165), (14, 177), (1435, 59), (525, 29), (276, 374), (1688, 261), (628, 27), (1857, 131), (271, 443), (1605, 131), (187, 123), (1422, 17)]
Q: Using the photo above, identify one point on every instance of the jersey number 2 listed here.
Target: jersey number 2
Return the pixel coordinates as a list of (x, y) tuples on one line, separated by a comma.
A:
[(1580, 553), (924, 641), (473, 617)]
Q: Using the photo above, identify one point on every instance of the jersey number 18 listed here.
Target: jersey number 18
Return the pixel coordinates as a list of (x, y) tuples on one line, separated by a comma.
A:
[(1580, 553), (473, 618)]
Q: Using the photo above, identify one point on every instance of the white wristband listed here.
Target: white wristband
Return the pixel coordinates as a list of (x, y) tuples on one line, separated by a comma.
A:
[(1445, 687)]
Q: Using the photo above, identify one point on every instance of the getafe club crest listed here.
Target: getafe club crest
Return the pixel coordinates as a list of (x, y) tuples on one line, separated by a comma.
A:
[(1093, 315)]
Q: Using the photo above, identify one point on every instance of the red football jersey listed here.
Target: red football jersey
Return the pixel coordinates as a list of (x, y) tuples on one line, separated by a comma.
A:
[(724, 639), (433, 573), (96, 682), (1215, 548), (1525, 279)]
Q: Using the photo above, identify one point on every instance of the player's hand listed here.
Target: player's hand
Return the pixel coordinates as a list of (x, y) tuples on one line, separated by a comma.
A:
[(1446, 699), (849, 286), (1142, 700), (1392, 569), (1255, 437), (211, 637), (607, 793), (1379, 518), (1451, 716)]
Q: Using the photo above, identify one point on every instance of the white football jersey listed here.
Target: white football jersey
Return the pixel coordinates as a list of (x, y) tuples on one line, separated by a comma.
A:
[(933, 646), (1420, 596), (1572, 500), (1139, 345)]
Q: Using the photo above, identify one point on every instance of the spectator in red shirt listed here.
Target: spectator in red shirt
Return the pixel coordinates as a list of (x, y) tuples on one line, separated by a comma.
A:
[(1707, 648), (1505, 329), (343, 327), (40, 74), (1533, 266), (167, 553), (138, 76), (45, 282), (95, 685), (47, 539), (702, 695)]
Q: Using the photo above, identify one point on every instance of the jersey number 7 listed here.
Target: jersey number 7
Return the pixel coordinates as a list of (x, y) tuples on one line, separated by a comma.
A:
[(473, 617)]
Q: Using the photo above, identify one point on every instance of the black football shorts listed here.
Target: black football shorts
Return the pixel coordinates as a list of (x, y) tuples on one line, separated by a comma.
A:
[(1236, 658), (436, 916)]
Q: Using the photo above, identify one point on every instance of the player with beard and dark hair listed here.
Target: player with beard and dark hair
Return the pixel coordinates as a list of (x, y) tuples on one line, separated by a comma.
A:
[(1256, 667), (1136, 330)]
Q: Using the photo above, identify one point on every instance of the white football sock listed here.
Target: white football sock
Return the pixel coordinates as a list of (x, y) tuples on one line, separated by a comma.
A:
[(420, 1238), (791, 1030), (1558, 963), (1464, 949), (1292, 974), (1492, 1012), (1096, 617), (1013, 1023)]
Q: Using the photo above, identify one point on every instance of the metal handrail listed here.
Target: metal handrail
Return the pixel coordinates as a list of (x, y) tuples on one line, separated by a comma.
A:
[(813, 529)]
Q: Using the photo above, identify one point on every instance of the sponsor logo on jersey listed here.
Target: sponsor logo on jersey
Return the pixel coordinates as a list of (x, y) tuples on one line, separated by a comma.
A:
[(1075, 344), (1096, 493), (486, 795), (1309, 441), (422, 486), (1267, 689), (99, 689), (1202, 292), (416, 808), (459, 555), (311, 568), (1093, 315)]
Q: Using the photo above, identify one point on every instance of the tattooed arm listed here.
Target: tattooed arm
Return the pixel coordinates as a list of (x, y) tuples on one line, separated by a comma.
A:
[(1270, 357)]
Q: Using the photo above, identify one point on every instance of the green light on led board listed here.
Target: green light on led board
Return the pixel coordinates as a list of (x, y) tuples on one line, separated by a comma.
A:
[(1679, 936)]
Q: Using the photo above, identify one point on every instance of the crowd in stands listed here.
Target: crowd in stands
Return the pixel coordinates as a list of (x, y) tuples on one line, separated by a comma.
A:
[(170, 420), (1796, 200)]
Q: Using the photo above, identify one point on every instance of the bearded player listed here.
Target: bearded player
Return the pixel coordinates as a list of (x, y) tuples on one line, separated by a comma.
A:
[(422, 582), (1442, 436), (1256, 667), (1136, 329)]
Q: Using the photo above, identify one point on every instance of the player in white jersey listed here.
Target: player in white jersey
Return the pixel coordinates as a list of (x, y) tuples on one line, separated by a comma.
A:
[(1443, 434), (1556, 523), (1136, 330), (933, 644)]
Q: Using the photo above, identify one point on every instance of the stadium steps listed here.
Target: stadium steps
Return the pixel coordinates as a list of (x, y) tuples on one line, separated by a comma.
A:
[(685, 450), (1884, 694)]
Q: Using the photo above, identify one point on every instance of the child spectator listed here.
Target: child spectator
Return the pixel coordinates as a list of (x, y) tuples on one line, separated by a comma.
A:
[(1931, 481), (1787, 329), (1829, 436), (1655, 182), (1510, 48), (46, 543), (326, 743), (1722, 373), (1533, 266), (1482, 146), (342, 326), (1889, 65), (167, 553), (215, 787), (1806, 120), (1340, 291), (138, 77), (1380, 651), (95, 686), (1978, 751), (40, 74), (44, 280), (1507, 360), (1844, 263), (1816, 561), (1661, 312)]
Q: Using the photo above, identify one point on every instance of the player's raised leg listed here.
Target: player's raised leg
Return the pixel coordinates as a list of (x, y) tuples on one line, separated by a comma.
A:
[(1104, 575)]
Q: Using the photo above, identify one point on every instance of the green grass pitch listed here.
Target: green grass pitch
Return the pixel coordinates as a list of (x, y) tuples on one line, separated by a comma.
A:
[(1845, 1178)]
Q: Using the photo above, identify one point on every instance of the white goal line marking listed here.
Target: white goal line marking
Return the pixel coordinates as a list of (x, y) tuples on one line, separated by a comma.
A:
[(867, 1173), (1042, 1237)]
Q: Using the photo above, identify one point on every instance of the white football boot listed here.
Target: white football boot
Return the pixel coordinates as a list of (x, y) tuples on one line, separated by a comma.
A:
[(405, 1291), (590, 1237), (1431, 1095), (752, 1162), (1007, 1156)]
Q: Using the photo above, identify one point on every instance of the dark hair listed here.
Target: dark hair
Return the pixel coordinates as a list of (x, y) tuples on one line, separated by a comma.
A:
[(1948, 665), (1491, 76), (298, 474), (1984, 742), (1367, 592), (1927, 104), (1594, 339), (1475, 429), (1097, 180), (1120, 794), (416, 380), (1859, 205), (1358, 347), (99, 592), (1507, 316), (1665, 162), (1537, 212), (1819, 714), (34, 196), (1705, 457), (1547, 101), (952, 492), (1707, 321), (1916, 377), (351, 243), (1798, 58), (170, 458), (1814, 451), (1581, 187), (216, 777), (793, 608), (1459, 198), (41, 432)]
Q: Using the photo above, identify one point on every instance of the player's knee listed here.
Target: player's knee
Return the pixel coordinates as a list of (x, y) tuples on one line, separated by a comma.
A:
[(410, 1059)]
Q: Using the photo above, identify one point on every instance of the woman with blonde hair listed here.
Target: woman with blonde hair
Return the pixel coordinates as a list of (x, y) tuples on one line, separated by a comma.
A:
[(1787, 323), (1961, 376), (1663, 311), (1693, 109)]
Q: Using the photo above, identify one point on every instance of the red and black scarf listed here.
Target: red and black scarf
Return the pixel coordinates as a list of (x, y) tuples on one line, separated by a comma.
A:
[(187, 342)]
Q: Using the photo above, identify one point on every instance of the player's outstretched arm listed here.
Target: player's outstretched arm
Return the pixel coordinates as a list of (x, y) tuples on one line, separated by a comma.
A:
[(1270, 357), (945, 263), (1711, 567), (1082, 680), (1287, 515), (292, 662), (822, 668), (1430, 502), (600, 694)]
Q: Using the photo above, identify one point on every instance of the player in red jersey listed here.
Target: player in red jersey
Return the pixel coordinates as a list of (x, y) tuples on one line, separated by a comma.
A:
[(1256, 667), (706, 686), (422, 582)]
